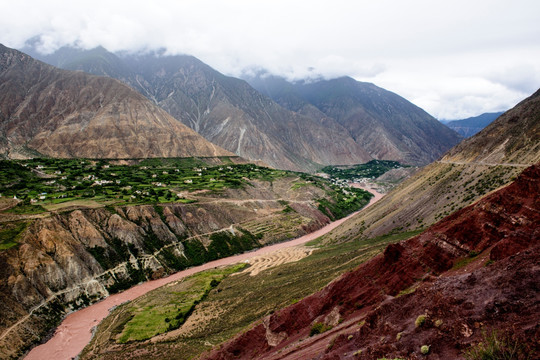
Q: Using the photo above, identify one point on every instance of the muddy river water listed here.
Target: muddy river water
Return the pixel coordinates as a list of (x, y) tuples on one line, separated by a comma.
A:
[(75, 332)]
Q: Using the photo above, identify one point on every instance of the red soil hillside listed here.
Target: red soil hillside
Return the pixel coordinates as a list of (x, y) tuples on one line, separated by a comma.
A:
[(461, 294)]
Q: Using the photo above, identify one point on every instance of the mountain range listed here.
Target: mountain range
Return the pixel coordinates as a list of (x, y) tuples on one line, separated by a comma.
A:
[(340, 121), (470, 126), (435, 294)]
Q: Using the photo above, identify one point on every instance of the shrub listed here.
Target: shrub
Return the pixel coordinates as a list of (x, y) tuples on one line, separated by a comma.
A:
[(319, 328), (496, 347), (420, 320), (425, 349)]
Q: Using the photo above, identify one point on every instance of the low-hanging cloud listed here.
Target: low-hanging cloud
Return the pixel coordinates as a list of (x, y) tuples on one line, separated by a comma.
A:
[(417, 48)]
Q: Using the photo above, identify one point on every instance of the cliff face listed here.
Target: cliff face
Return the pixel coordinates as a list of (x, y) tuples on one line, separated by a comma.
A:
[(66, 260), (71, 114), (371, 319)]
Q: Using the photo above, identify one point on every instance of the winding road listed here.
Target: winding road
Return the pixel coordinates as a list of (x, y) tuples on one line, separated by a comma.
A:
[(75, 332)]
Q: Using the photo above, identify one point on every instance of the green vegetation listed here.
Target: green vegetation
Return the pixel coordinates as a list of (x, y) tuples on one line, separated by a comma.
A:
[(420, 320), (343, 202), (372, 169), (497, 347), (407, 291), (25, 208), (150, 317), (319, 328), (48, 182), (461, 263), (9, 233), (425, 349)]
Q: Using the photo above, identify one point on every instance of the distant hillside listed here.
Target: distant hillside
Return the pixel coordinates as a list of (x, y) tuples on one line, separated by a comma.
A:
[(470, 126), (473, 168), (59, 113), (385, 124)]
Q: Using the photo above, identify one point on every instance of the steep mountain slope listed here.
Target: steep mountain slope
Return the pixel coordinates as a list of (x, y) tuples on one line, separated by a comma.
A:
[(470, 170), (385, 124), (225, 110), (436, 290), (71, 114), (470, 126)]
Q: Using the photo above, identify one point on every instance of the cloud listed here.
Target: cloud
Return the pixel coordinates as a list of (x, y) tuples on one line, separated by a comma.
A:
[(417, 48)]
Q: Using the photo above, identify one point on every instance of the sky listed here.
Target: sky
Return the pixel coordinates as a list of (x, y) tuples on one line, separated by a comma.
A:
[(454, 59)]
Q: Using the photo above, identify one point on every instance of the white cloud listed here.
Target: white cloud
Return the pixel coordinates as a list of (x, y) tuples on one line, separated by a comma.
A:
[(451, 58)]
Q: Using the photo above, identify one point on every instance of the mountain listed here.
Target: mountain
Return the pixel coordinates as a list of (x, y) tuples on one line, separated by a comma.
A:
[(470, 126), (473, 168), (385, 124), (470, 278), (325, 123), (225, 110), (59, 113)]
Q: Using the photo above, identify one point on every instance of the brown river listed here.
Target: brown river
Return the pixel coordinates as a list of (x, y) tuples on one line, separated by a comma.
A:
[(75, 332)]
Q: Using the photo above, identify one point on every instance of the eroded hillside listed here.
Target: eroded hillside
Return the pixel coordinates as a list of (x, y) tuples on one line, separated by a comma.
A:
[(437, 293), (59, 113)]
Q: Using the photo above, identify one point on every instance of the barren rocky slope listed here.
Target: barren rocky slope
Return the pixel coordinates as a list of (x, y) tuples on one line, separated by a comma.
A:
[(45, 110), (472, 272), (478, 165), (66, 260)]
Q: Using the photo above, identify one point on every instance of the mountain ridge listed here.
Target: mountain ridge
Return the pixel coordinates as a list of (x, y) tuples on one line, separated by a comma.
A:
[(225, 110), (472, 125), (473, 168), (73, 114)]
